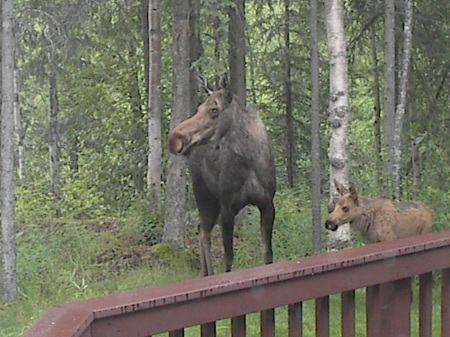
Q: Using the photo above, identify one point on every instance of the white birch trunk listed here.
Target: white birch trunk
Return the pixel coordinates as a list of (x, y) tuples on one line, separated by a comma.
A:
[(154, 108), (338, 113), (403, 89), (9, 273)]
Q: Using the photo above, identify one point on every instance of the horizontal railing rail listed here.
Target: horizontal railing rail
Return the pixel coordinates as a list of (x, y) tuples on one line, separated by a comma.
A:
[(383, 268)]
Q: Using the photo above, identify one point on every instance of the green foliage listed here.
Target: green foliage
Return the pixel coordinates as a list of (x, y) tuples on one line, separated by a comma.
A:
[(34, 204)]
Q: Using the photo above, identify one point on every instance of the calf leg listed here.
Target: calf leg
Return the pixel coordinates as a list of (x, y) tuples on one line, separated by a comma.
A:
[(267, 218)]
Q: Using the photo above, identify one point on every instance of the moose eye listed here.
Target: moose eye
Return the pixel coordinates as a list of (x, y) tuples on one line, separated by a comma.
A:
[(345, 209), (214, 112)]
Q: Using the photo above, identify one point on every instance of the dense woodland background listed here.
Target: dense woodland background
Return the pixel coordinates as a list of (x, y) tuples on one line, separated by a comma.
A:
[(85, 131)]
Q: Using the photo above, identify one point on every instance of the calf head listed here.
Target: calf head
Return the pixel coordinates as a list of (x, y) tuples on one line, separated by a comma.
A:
[(346, 209), (202, 124)]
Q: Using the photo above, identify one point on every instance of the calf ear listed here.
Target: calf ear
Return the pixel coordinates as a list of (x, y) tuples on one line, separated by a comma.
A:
[(340, 188), (224, 85), (354, 195), (203, 85)]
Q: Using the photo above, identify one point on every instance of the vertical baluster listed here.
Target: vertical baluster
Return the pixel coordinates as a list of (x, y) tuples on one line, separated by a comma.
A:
[(348, 313), (445, 303), (208, 329), (268, 323), (238, 326), (373, 310), (425, 304), (295, 319), (401, 317), (322, 317), (177, 333)]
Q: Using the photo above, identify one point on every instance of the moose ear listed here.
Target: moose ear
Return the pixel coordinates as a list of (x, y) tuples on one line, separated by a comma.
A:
[(354, 195), (224, 85), (203, 85), (340, 188)]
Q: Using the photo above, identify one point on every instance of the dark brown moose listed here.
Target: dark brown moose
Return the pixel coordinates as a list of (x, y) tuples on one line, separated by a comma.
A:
[(231, 166), (378, 219)]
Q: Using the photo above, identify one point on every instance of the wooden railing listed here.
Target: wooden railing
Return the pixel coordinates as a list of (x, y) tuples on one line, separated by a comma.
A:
[(384, 273)]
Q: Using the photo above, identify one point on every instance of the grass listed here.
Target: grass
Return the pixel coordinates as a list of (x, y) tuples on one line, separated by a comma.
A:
[(65, 260)]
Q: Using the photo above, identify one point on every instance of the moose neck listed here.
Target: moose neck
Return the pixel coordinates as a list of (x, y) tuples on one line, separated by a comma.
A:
[(364, 220)]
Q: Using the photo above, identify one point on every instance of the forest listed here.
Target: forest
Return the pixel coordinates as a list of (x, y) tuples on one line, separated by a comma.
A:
[(93, 88)]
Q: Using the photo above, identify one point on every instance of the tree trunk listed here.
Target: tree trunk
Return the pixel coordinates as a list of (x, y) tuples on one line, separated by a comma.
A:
[(154, 108), (389, 93), (236, 54), (53, 131), (376, 107), (175, 213), (236, 36), (414, 147), (315, 131), (145, 31), (9, 273), (338, 113), (403, 89), (288, 98)]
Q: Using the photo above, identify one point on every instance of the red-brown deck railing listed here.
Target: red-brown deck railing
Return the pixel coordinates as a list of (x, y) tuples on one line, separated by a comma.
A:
[(384, 270)]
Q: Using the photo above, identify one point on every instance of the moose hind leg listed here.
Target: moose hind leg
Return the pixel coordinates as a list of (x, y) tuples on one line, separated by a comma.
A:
[(267, 218)]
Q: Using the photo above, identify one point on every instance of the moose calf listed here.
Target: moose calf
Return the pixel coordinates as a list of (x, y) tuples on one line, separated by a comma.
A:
[(378, 219)]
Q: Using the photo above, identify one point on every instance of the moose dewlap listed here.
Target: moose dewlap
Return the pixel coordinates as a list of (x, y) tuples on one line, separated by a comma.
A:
[(378, 219)]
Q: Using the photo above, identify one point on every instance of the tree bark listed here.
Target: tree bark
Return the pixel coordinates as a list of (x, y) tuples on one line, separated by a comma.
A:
[(53, 131), (389, 93), (9, 273), (236, 55), (403, 90), (175, 213), (338, 113), (288, 98), (315, 131), (236, 37), (154, 108), (376, 107)]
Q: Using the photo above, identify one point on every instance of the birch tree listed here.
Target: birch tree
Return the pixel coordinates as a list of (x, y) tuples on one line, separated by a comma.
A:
[(9, 274), (315, 130), (154, 107), (403, 89), (338, 113)]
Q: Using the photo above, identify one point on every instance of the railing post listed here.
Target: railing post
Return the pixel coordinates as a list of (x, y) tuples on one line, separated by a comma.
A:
[(373, 310), (238, 326), (295, 319), (402, 307), (445, 303), (322, 317), (348, 313), (425, 304), (268, 323)]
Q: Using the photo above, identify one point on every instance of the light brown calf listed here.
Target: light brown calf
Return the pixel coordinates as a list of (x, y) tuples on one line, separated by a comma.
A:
[(378, 219)]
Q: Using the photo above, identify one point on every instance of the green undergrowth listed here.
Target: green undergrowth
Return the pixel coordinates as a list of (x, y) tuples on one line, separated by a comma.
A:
[(64, 260)]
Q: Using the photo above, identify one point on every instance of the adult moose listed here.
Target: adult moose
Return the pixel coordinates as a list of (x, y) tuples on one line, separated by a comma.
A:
[(231, 166), (378, 219)]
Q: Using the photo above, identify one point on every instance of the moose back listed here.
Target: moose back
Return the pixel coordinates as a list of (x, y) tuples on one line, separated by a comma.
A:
[(231, 166)]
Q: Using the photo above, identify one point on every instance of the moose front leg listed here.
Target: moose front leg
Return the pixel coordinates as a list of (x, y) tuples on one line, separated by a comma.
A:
[(227, 227), (205, 252)]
